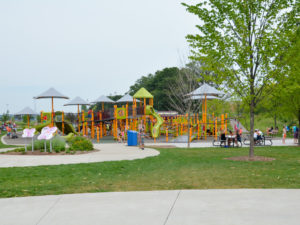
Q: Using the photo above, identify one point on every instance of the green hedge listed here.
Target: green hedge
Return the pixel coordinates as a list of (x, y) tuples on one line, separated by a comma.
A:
[(79, 143)]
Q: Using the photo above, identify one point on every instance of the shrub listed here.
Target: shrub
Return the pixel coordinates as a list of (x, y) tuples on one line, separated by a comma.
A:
[(81, 144), (58, 144)]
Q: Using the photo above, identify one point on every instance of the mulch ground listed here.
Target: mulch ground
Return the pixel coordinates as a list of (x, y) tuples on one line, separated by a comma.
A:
[(247, 158), (38, 152)]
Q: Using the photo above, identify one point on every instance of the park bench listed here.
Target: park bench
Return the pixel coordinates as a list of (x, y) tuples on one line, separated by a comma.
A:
[(265, 141)]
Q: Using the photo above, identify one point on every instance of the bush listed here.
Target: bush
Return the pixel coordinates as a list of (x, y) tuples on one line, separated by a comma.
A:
[(58, 144), (81, 144)]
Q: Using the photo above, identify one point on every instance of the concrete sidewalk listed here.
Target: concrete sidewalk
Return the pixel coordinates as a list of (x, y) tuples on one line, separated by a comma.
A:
[(108, 152), (186, 207)]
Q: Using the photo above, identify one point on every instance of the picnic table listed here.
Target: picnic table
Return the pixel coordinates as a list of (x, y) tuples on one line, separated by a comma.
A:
[(230, 141)]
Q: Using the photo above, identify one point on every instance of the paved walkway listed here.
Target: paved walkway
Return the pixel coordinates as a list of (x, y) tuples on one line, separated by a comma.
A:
[(234, 122), (186, 207), (108, 152), (208, 144)]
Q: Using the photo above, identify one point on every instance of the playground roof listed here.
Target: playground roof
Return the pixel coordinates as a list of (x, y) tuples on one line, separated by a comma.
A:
[(142, 93), (103, 99), (202, 97), (26, 111), (51, 93), (126, 98), (206, 89), (77, 101)]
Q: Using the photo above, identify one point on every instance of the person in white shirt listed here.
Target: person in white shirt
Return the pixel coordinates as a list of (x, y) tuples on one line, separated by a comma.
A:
[(255, 136)]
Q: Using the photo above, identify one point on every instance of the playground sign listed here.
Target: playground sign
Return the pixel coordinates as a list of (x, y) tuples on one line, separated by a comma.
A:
[(28, 133), (121, 113)]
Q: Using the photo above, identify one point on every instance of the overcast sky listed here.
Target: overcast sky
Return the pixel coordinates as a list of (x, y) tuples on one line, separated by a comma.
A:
[(85, 48)]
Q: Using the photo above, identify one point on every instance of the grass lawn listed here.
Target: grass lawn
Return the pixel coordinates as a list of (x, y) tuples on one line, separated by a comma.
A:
[(3, 145), (172, 169)]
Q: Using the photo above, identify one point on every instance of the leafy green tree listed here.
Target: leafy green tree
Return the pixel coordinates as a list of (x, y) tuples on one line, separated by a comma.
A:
[(158, 85), (240, 42), (84, 108), (289, 69), (5, 117)]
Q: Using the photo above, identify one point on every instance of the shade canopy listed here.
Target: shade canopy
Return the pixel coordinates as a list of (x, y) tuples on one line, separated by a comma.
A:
[(142, 93), (126, 98), (206, 89), (103, 99), (77, 101), (202, 97), (51, 93), (26, 111)]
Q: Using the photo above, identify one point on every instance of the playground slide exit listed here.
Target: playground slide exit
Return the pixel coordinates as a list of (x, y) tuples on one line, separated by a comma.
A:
[(156, 128)]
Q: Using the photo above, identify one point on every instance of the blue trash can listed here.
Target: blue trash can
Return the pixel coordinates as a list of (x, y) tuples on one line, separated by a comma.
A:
[(132, 137)]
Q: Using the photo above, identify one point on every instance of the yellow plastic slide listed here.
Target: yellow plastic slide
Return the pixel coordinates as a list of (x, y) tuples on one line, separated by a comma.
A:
[(159, 121)]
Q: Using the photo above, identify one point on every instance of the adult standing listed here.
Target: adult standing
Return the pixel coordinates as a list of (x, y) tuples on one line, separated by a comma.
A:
[(296, 133)]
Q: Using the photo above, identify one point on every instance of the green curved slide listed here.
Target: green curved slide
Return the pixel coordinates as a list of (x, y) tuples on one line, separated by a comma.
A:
[(156, 128), (68, 127)]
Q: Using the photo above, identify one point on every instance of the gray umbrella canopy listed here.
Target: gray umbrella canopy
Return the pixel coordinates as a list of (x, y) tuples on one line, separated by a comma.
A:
[(127, 98), (26, 111), (77, 101), (103, 99), (206, 89), (202, 97), (51, 93)]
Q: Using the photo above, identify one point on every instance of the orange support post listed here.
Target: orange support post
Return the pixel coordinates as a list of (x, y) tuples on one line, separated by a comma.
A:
[(167, 134), (101, 129), (82, 122), (115, 122), (181, 128), (226, 123), (216, 129), (92, 127), (42, 116), (28, 121), (222, 122), (97, 134), (198, 129)]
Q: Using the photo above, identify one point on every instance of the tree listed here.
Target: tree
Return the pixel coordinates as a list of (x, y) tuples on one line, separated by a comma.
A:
[(5, 117), (289, 70), (158, 86), (185, 83), (240, 42)]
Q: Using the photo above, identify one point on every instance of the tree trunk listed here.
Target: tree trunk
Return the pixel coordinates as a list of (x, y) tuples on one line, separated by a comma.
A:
[(188, 130), (275, 122), (251, 150)]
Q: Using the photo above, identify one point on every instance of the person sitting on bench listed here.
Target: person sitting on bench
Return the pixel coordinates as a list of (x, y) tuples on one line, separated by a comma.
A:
[(223, 138), (238, 138)]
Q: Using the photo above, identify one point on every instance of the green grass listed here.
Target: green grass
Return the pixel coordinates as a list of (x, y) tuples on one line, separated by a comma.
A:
[(262, 122), (3, 145), (172, 169)]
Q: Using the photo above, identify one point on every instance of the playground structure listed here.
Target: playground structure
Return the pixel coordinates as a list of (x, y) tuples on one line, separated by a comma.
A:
[(127, 114)]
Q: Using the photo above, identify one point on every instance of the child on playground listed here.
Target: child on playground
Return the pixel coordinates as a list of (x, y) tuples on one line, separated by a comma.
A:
[(141, 135), (283, 134)]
